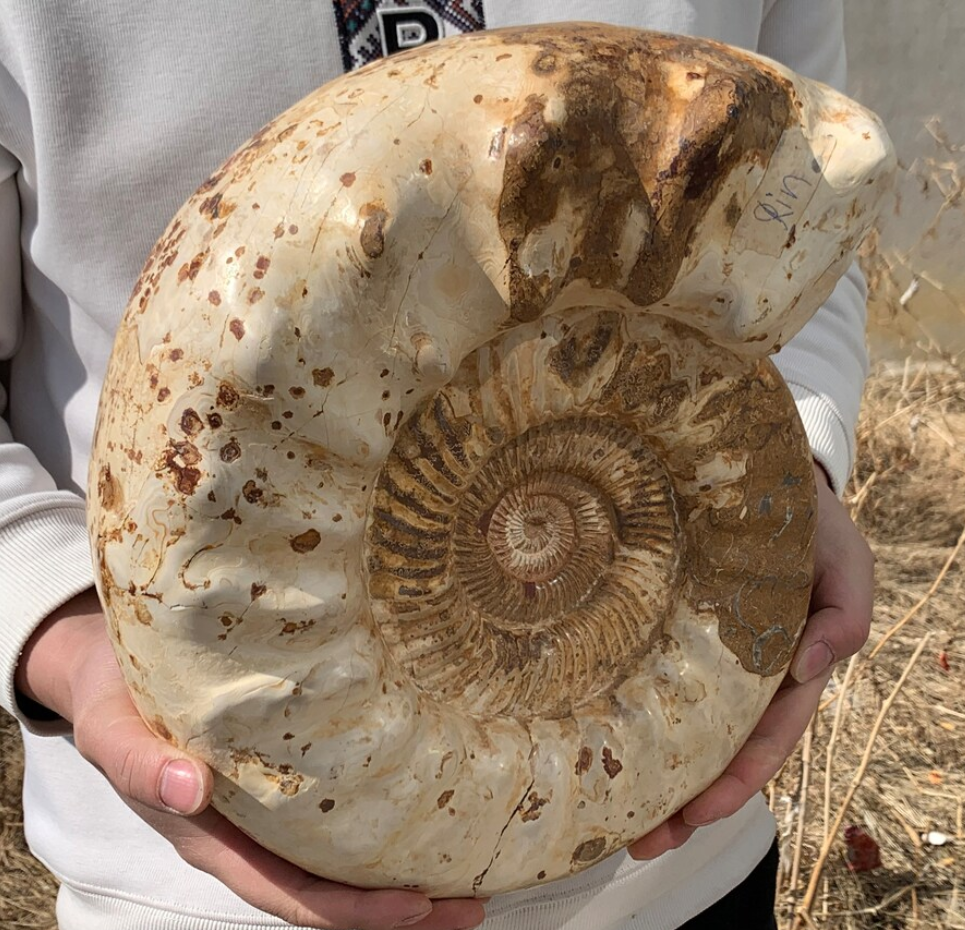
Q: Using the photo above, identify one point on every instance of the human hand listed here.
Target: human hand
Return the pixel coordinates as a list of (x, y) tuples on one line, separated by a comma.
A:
[(838, 625), (70, 668)]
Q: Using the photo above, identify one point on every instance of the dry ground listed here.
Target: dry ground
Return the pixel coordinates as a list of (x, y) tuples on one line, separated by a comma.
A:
[(908, 497)]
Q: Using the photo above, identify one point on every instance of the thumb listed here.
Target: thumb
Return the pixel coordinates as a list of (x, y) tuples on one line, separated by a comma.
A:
[(110, 734)]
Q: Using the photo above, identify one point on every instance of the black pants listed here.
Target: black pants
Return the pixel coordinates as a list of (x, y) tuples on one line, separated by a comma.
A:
[(750, 906)]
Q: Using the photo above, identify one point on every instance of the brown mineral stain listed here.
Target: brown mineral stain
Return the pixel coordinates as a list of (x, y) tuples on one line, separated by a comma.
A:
[(254, 295), (261, 266), (252, 493), (348, 179), (307, 541), (611, 766), (237, 328), (657, 160), (227, 395), (372, 238), (426, 166), (142, 613), (322, 376), (214, 420), (327, 805), (108, 489), (189, 270), (160, 729), (590, 850), (216, 207), (257, 590), (180, 459), (214, 298), (536, 803), (191, 423), (297, 392), (585, 761), (230, 451), (176, 355), (444, 799)]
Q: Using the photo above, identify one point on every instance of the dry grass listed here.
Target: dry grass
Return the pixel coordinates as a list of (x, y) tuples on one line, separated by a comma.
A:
[(908, 497), (26, 889)]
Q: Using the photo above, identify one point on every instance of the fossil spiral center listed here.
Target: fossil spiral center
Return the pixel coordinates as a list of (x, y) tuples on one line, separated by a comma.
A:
[(535, 528), (521, 574)]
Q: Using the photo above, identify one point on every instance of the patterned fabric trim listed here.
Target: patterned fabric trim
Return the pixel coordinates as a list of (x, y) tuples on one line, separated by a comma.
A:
[(369, 29)]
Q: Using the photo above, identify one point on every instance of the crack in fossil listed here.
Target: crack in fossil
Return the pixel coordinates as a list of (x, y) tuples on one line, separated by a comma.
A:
[(478, 880)]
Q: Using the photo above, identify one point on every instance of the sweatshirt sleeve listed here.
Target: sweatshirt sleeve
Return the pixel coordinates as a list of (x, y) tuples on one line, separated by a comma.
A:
[(826, 364), (44, 553)]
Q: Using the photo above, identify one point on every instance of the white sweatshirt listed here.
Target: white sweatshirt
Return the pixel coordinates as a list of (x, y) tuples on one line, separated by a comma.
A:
[(111, 114)]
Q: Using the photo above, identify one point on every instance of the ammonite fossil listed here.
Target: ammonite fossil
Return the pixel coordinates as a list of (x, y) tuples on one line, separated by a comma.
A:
[(444, 499)]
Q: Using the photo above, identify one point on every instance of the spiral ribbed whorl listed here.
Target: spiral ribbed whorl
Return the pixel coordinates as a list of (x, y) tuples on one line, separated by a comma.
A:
[(525, 544), (521, 575)]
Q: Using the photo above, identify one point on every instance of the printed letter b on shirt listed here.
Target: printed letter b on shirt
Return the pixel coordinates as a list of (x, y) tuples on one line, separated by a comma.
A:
[(407, 27)]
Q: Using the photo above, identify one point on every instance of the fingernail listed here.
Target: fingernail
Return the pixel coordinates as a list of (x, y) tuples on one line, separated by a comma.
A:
[(415, 918), (815, 660), (182, 787)]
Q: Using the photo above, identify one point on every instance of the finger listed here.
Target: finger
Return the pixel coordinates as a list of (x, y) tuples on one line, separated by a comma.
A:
[(109, 733), (669, 835), (843, 593), (212, 844), (762, 756)]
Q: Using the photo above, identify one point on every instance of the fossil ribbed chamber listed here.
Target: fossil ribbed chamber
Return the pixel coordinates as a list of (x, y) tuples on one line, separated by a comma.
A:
[(444, 499)]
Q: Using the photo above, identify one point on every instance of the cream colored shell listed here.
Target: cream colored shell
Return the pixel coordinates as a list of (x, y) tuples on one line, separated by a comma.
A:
[(443, 498)]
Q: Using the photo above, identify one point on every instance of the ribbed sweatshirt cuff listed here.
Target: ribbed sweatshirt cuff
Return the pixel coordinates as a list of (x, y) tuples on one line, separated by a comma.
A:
[(832, 445), (45, 559)]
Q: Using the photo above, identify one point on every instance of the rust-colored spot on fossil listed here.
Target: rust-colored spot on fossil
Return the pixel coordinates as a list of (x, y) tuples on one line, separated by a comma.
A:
[(426, 166), (257, 589), (216, 207), (176, 355), (372, 238), (444, 799), (252, 493), (237, 328), (478, 98), (214, 420), (214, 298), (611, 766), (254, 295), (322, 376), (348, 179), (261, 266), (189, 270), (191, 423), (307, 541), (585, 761), (541, 875), (230, 451), (227, 395), (327, 805), (180, 459), (536, 804), (142, 613), (297, 392), (108, 488), (590, 850), (160, 729)]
